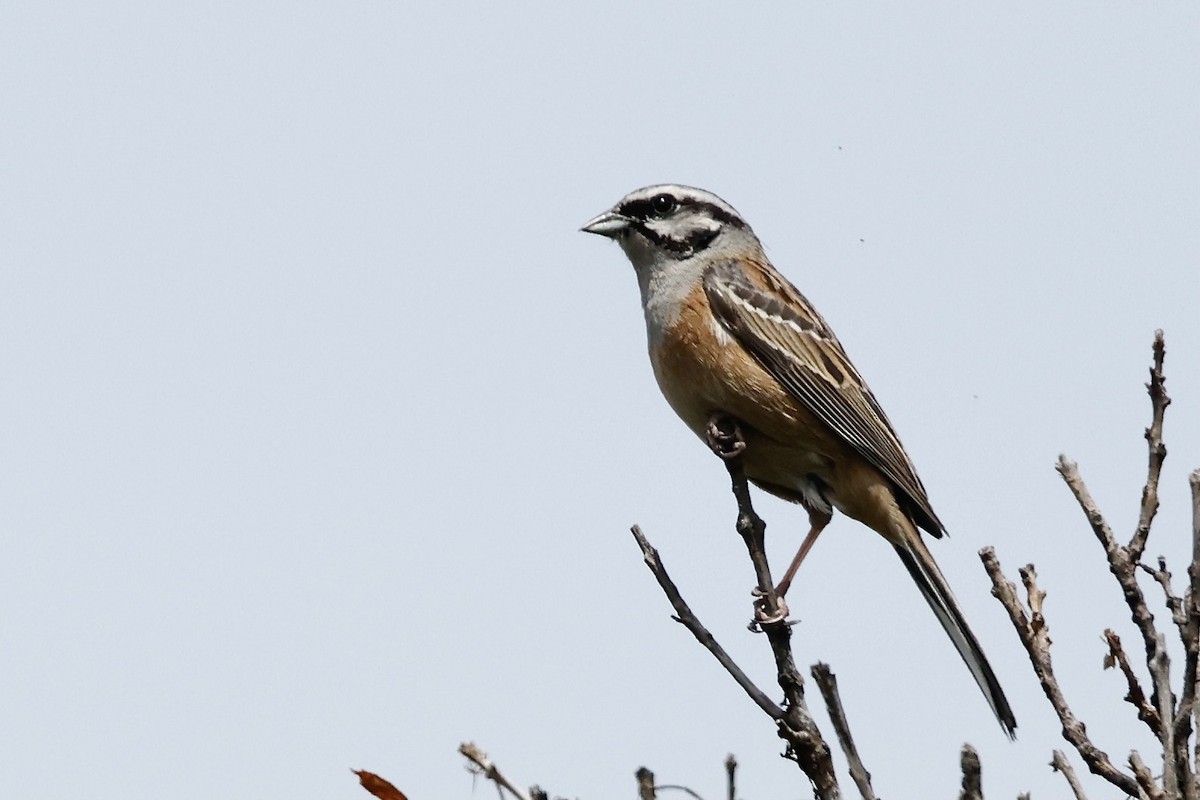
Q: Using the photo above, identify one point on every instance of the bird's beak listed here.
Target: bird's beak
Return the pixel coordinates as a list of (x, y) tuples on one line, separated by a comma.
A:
[(610, 224)]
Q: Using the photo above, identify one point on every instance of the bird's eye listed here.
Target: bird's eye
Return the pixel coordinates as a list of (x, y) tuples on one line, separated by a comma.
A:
[(662, 204)]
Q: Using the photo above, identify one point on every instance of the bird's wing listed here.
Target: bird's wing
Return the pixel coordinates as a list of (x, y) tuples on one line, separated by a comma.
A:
[(785, 334)]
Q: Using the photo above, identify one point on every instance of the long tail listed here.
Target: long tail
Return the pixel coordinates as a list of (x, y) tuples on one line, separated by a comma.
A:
[(921, 566)]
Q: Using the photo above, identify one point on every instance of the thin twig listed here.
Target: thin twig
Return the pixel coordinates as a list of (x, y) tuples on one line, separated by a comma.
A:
[(1034, 634), (1135, 696), (805, 744), (727, 441), (685, 616), (827, 683), (1158, 451), (1162, 576), (1069, 471), (972, 774), (1059, 763), (1121, 565), (731, 777), (795, 724), (677, 788), (1158, 661), (1177, 768), (486, 767)]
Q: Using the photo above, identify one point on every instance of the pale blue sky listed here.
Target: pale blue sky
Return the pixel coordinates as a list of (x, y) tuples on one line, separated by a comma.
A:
[(323, 426)]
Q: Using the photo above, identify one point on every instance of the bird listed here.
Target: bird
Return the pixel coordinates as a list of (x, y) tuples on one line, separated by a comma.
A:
[(729, 335)]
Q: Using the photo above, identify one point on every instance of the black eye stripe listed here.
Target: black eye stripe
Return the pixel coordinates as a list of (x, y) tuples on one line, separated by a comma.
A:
[(638, 209), (643, 209)]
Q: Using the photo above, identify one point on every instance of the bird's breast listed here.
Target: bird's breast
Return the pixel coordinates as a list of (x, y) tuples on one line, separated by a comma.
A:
[(702, 369)]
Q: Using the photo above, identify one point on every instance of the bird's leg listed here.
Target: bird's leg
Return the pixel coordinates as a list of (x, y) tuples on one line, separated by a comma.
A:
[(817, 522), (724, 436)]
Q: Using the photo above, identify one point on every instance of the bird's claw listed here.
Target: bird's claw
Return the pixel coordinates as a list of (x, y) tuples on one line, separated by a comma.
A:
[(724, 436), (764, 617)]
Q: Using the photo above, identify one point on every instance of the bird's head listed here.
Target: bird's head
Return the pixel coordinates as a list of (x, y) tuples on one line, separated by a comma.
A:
[(666, 223)]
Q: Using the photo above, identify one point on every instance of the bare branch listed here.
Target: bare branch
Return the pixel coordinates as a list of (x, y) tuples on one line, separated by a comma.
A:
[(1158, 451), (685, 616), (972, 774), (794, 723), (1135, 696), (1121, 565), (482, 765), (1034, 634), (1069, 471), (1162, 576), (1145, 778), (1059, 763), (805, 744), (827, 683), (731, 777), (1172, 724), (677, 788), (1187, 717)]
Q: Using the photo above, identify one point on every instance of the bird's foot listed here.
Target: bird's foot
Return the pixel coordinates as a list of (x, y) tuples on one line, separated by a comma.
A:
[(724, 436), (764, 616)]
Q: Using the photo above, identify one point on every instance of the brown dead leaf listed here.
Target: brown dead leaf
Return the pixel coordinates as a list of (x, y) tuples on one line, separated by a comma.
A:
[(378, 786)]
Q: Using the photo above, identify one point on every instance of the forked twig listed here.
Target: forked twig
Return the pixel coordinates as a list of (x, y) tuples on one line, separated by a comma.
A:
[(685, 616), (1134, 696), (1034, 634), (1173, 723), (795, 725)]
